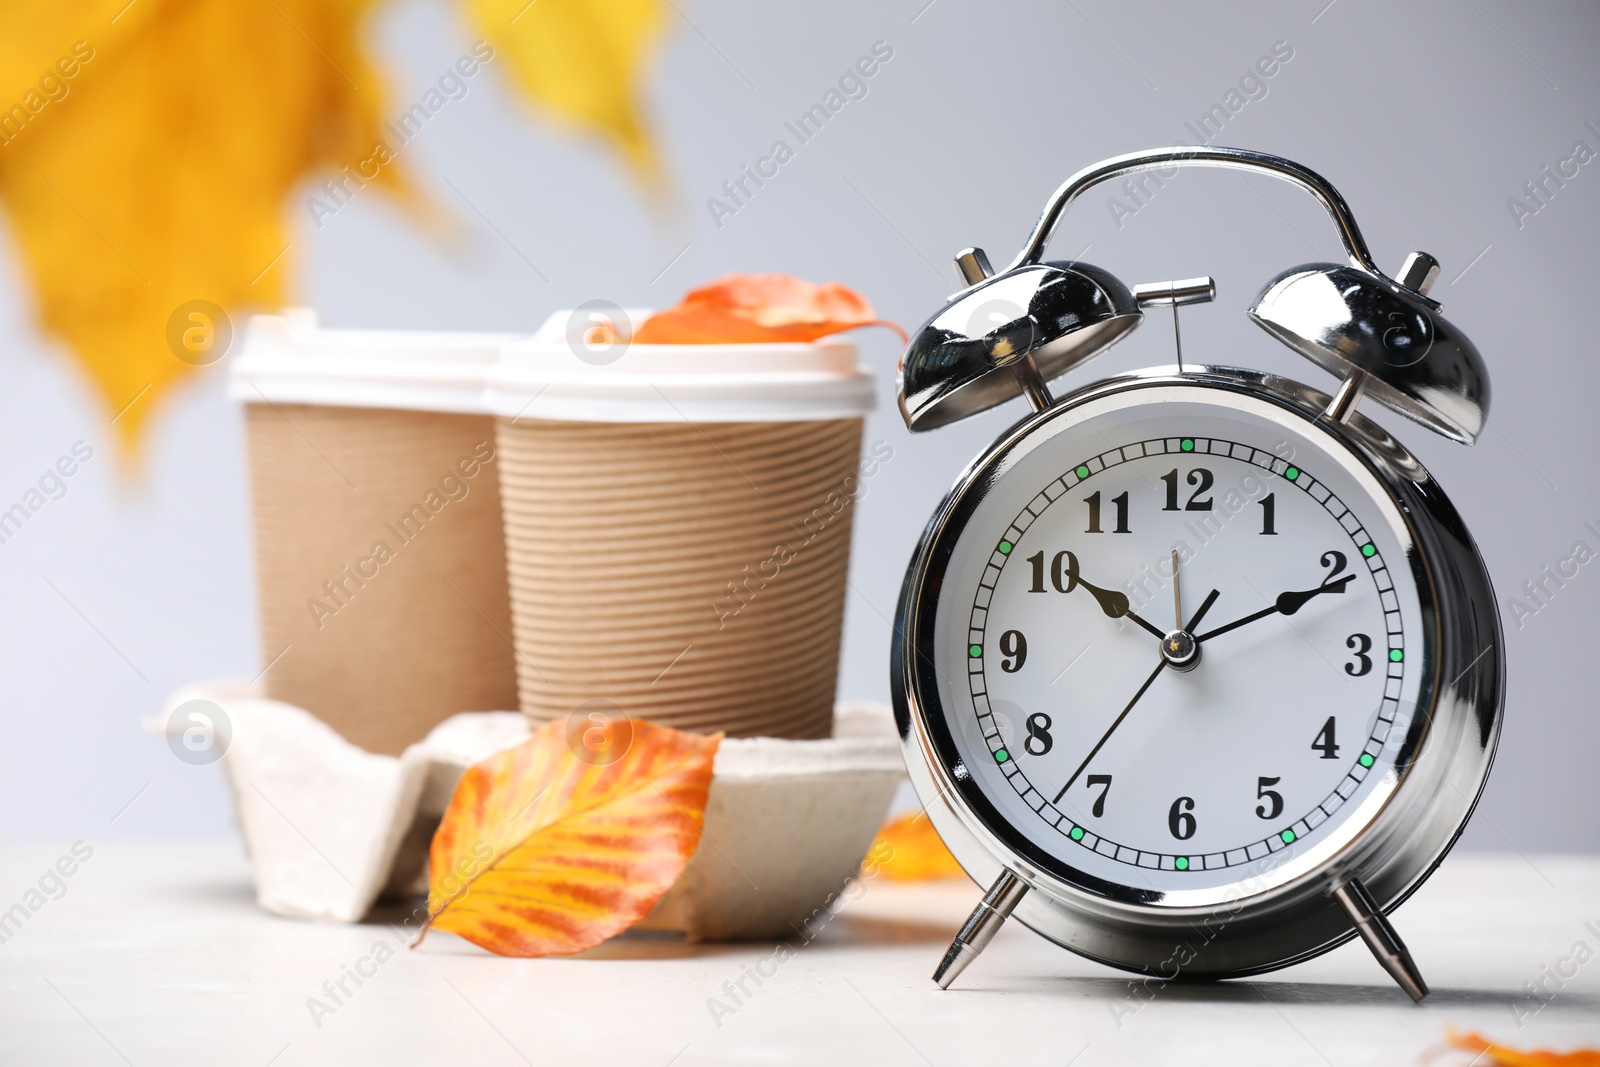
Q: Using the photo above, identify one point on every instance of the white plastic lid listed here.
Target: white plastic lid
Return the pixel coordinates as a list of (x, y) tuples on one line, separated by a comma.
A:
[(289, 359), (548, 377)]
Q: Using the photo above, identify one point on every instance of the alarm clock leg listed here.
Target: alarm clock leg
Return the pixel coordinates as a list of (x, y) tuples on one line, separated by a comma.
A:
[(979, 929), (1381, 938)]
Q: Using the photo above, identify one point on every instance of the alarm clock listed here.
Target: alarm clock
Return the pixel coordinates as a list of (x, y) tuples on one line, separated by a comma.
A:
[(1196, 668)]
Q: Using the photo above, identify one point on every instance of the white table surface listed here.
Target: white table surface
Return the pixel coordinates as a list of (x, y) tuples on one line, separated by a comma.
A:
[(157, 954)]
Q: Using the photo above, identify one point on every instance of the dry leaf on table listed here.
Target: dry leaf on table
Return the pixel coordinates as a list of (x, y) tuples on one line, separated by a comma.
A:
[(1493, 1055), (914, 850), (542, 853), (760, 309)]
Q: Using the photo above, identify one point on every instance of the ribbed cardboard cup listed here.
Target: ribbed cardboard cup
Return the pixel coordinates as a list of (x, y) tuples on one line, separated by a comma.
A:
[(380, 559), (694, 575), (677, 529)]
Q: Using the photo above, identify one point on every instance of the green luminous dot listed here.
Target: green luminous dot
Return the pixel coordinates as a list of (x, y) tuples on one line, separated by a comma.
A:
[(1293, 473), (1395, 655), (1001, 755), (1366, 759), (1287, 836), (975, 651), (1083, 472), (1077, 833), (1182, 863), (1369, 550), (1005, 548), (1187, 444)]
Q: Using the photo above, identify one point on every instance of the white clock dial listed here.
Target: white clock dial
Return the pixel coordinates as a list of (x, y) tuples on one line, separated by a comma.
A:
[(1263, 737)]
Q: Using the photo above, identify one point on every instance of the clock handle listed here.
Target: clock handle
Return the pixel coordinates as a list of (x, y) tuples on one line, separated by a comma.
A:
[(979, 929), (1355, 245), (1380, 937)]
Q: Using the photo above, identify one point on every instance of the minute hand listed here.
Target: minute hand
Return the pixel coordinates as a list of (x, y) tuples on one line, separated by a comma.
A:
[(1286, 604)]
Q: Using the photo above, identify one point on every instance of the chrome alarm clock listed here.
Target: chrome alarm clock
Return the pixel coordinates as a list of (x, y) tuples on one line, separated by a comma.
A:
[(1196, 668)]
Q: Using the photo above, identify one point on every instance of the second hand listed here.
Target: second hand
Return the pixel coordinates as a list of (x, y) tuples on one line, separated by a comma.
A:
[(1148, 682), (1205, 606)]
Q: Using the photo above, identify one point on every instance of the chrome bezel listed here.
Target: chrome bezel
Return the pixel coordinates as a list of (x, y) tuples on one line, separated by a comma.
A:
[(1290, 915)]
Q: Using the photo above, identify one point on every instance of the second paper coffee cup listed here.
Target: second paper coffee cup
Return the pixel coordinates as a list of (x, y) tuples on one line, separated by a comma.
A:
[(678, 524)]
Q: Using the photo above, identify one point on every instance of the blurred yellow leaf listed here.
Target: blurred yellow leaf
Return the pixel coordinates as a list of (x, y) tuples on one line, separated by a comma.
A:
[(581, 60), (914, 851), (147, 151), (542, 853)]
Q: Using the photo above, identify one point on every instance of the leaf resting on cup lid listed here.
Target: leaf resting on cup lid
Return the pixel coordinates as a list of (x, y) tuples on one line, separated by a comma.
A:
[(760, 309), (553, 846)]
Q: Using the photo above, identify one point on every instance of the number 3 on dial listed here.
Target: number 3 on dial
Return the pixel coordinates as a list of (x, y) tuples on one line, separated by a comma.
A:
[(1359, 645)]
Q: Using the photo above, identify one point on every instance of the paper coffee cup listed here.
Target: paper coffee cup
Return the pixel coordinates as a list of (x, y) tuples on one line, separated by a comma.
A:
[(678, 527), (380, 561)]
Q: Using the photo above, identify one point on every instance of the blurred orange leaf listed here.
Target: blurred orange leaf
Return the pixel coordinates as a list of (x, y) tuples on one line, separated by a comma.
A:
[(1501, 1056), (914, 850), (760, 308), (542, 853), (582, 62), (149, 160)]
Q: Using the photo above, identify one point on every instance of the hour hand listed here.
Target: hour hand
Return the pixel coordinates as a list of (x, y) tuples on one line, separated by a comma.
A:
[(1115, 605)]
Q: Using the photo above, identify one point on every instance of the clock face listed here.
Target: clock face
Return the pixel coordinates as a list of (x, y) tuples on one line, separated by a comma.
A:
[(1178, 645)]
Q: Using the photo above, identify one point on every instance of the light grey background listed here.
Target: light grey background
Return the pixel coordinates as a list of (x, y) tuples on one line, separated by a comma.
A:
[(1427, 116)]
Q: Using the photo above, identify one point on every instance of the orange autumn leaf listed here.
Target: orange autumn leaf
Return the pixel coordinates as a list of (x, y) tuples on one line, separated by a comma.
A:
[(159, 170), (915, 852), (760, 308), (1501, 1056), (542, 853)]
